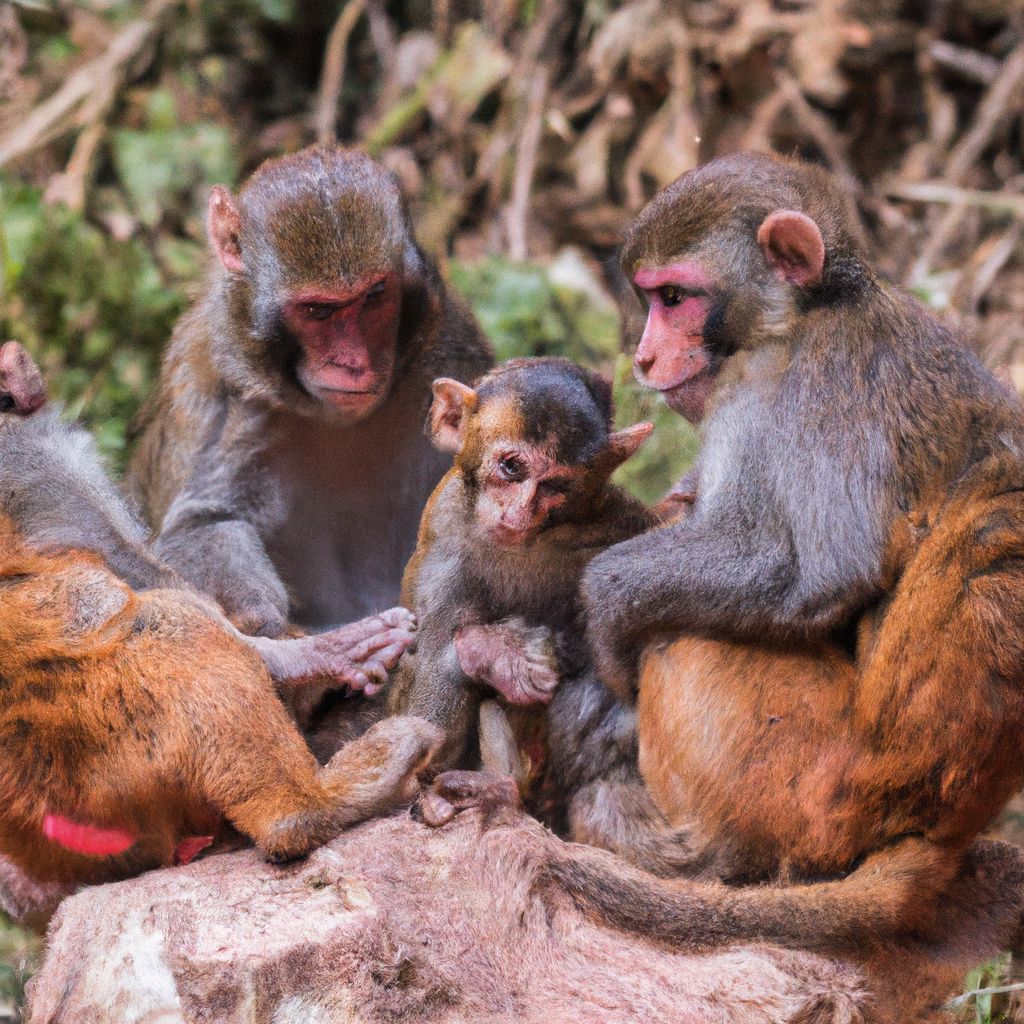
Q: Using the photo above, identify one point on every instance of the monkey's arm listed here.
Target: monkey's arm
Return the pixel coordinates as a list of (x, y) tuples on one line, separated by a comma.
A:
[(734, 573), (212, 530)]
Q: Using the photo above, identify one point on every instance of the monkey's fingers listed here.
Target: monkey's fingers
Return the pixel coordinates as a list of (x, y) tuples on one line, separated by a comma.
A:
[(372, 626), (397, 637), (455, 791)]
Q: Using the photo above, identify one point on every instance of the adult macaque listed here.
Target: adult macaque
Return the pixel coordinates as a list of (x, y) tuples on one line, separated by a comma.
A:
[(135, 720), (55, 490), (283, 460), (858, 468), (495, 584)]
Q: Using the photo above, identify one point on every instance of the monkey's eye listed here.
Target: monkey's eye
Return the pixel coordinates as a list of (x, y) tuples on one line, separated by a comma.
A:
[(512, 468), (377, 289), (317, 311), (6, 403), (671, 294)]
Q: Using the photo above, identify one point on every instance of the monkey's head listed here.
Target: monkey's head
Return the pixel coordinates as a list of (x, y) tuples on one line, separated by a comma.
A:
[(725, 258), (22, 390), (324, 273), (533, 443)]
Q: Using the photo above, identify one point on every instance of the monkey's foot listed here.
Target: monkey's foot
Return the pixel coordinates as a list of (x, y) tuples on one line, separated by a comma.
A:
[(367, 778), (455, 791), (515, 659)]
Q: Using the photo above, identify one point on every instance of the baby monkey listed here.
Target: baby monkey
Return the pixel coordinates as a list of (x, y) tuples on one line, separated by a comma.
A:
[(135, 718), (494, 582)]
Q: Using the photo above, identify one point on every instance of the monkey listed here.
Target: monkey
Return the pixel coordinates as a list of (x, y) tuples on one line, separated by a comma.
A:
[(134, 720), (827, 647), (494, 583), (281, 459), (56, 491)]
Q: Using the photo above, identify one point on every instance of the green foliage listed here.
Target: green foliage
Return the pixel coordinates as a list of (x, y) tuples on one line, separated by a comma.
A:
[(19, 955), (164, 160), (94, 310)]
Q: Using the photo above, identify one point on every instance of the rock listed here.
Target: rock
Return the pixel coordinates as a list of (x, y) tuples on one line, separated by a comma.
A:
[(394, 921)]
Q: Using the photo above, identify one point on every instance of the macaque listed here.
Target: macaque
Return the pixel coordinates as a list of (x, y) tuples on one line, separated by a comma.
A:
[(495, 585), (282, 460), (828, 646), (57, 493), (135, 718)]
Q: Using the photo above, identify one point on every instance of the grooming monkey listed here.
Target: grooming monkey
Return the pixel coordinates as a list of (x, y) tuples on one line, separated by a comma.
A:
[(282, 460), (135, 717), (860, 474), (494, 581)]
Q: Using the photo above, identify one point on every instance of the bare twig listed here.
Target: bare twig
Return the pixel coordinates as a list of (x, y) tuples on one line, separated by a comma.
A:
[(939, 192), (959, 1001), (333, 74), (971, 64), (526, 165), (53, 116), (984, 277), (997, 104)]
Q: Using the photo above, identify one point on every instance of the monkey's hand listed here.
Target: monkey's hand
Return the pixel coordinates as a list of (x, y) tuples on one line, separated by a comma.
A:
[(361, 654), (679, 500), (456, 791), (513, 658), (358, 656)]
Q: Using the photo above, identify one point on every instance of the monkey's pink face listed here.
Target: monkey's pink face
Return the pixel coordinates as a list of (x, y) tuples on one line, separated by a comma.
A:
[(672, 357), (348, 339), (521, 488)]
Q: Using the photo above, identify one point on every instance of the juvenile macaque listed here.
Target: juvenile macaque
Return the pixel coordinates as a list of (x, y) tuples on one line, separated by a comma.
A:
[(861, 474), (136, 719), (283, 461), (495, 584)]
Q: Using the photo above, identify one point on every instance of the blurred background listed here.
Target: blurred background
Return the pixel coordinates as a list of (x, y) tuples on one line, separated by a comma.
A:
[(525, 132)]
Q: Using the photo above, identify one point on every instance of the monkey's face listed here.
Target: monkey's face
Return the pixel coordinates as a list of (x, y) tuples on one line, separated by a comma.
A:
[(347, 338), (721, 265), (673, 356), (22, 390), (522, 489)]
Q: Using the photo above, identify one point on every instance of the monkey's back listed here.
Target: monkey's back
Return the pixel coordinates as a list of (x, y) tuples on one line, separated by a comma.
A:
[(105, 695)]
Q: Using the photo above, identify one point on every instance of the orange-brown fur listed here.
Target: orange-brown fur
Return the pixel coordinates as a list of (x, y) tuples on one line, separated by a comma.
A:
[(141, 711)]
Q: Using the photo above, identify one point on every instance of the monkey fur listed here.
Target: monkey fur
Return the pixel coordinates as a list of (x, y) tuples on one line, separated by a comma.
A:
[(282, 459)]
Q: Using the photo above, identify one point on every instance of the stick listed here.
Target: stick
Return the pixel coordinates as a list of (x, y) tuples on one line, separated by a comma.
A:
[(940, 192), (333, 74)]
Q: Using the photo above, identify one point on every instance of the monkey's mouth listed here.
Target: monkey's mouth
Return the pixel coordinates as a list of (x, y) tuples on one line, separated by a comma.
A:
[(689, 397)]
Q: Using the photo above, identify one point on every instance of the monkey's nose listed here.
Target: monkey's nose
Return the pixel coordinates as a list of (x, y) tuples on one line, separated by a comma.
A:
[(644, 362)]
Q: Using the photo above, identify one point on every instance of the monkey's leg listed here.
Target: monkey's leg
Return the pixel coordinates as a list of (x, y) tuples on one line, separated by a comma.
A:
[(619, 815), (259, 773)]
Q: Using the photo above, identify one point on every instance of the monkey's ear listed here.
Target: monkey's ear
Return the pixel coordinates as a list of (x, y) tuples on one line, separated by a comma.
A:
[(224, 223), (453, 402), (22, 389), (792, 244), (624, 444)]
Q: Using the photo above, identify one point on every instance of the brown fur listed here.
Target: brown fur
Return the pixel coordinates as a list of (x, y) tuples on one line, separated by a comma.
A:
[(142, 712), (265, 496), (835, 407), (504, 615)]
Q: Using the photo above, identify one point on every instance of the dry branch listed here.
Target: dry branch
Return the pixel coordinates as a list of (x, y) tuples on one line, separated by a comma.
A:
[(54, 116), (333, 74)]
